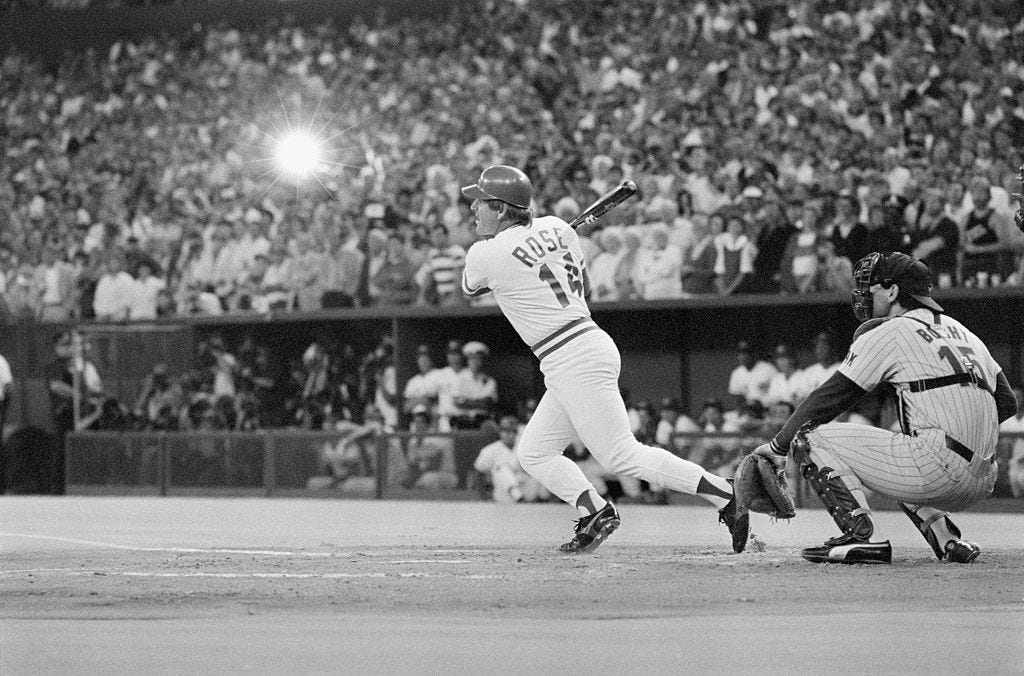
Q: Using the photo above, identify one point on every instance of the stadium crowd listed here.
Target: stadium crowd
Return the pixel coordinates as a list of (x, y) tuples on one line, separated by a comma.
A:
[(774, 143)]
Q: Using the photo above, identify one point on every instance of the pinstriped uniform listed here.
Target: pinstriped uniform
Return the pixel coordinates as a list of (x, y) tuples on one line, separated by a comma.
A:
[(536, 275), (925, 462)]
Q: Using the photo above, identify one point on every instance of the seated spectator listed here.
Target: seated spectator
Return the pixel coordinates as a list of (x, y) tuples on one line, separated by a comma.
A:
[(396, 275), (785, 384), (750, 378), (56, 280), (659, 267), (774, 232), (672, 421), (799, 267), (847, 234), (1015, 425), (834, 273), (429, 459), (476, 393), (500, 467), (114, 291), (602, 268), (422, 389), (825, 364), (881, 235), (983, 230), (625, 273), (714, 451), (142, 303), (440, 277), (160, 400)]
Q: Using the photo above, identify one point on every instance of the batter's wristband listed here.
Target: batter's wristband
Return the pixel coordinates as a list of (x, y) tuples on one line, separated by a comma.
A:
[(775, 448)]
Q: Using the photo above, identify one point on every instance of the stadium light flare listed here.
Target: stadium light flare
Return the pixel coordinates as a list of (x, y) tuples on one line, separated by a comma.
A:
[(298, 154)]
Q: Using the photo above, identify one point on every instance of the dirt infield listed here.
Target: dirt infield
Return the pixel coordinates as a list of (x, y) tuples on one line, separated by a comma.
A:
[(122, 585)]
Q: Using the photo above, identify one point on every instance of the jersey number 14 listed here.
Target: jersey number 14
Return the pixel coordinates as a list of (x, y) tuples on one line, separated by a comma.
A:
[(573, 280)]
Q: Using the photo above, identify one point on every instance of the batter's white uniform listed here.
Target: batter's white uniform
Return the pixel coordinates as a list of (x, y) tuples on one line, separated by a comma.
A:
[(536, 275), (944, 454)]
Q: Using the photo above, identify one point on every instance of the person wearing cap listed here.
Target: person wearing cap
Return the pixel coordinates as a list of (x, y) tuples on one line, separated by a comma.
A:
[(430, 458), (536, 270), (497, 462), (950, 397), (446, 379), (750, 379), (476, 393)]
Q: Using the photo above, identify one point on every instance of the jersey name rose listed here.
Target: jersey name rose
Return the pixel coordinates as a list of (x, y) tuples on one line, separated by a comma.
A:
[(538, 245)]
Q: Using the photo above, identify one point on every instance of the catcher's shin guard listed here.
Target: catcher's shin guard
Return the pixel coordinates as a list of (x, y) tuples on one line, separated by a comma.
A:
[(851, 517)]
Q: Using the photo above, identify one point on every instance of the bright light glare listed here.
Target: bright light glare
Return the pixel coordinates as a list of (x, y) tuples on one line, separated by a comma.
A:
[(298, 154)]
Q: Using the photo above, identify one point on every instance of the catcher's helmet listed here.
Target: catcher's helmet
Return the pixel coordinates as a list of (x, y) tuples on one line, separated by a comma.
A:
[(504, 183), (910, 274)]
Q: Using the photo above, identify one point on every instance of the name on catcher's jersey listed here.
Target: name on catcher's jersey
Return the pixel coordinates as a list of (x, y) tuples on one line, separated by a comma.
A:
[(920, 345), (535, 273)]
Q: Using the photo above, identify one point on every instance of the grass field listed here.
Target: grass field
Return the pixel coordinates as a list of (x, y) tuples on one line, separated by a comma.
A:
[(230, 585)]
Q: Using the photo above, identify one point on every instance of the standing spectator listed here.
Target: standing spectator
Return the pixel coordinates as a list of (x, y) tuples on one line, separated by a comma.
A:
[(476, 393), (342, 282), (749, 380), (847, 234), (497, 461), (734, 259), (934, 239), (422, 388), (396, 277), (376, 251), (698, 269), (773, 235), (114, 291), (23, 295), (56, 279), (881, 235), (982, 234), (799, 268), (625, 272), (834, 273), (447, 380), (142, 302)]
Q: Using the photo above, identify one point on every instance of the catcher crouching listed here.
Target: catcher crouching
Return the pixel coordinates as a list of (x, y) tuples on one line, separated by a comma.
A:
[(950, 397)]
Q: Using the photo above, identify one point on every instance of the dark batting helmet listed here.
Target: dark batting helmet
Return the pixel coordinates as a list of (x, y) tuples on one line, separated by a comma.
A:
[(503, 183), (910, 274)]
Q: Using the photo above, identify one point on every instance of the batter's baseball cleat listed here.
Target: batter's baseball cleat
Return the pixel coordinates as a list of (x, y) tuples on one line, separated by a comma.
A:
[(849, 551), (961, 551), (592, 530), (739, 526)]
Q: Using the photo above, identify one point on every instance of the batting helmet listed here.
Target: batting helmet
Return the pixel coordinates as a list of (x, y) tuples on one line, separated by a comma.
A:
[(503, 183), (910, 274)]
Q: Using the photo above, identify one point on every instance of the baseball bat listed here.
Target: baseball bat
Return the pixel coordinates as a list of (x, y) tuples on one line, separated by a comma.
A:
[(604, 204)]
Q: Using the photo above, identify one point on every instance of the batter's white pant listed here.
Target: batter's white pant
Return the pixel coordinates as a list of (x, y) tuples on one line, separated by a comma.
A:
[(918, 470), (582, 380)]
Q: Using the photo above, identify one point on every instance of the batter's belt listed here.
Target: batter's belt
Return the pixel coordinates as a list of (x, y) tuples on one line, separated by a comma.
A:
[(562, 336)]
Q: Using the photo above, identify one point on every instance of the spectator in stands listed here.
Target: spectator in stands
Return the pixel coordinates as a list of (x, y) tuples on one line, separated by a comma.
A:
[(23, 294), (774, 232), (476, 393), (440, 277), (714, 451), (659, 267), (376, 251), (734, 259), (160, 400), (799, 267), (1015, 425), (824, 366), (142, 303), (698, 269), (56, 280), (881, 235), (430, 459), (751, 377), (603, 266), (499, 468), (834, 273), (785, 384), (6, 388), (114, 291), (847, 234), (396, 277), (422, 388), (625, 273), (934, 239), (982, 235), (673, 421)]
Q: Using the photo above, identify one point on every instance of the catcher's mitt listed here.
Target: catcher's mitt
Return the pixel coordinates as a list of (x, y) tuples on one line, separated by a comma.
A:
[(759, 487)]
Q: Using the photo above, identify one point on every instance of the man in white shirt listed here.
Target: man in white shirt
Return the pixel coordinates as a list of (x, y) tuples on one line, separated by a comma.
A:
[(142, 303), (114, 291), (422, 388), (750, 379), (785, 383), (821, 370), (447, 379), (498, 461)]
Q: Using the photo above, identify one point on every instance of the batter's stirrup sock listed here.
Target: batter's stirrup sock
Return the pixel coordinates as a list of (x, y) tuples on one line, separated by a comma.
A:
[(934, 525), (590, 502), (852, 518), (718, 495)]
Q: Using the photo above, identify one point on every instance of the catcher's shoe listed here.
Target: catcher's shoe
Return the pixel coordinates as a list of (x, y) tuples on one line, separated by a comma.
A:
[(849, 549), (738, 525), (961, 551), (592, 530)]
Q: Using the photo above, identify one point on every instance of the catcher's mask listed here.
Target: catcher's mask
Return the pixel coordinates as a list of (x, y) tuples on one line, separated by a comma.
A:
[(887, 269)]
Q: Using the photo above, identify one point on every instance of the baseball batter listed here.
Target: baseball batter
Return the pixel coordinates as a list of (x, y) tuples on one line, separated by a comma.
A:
[(535, 269), (950, 396)]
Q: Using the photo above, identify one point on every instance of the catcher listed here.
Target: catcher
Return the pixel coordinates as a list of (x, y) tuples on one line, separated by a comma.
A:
[(950, 397)]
